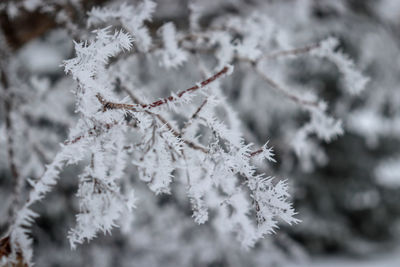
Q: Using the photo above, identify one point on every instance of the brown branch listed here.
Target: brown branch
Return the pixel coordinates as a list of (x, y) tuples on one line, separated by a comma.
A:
[(137, 107), (175, 132), (194, 116), (255, 153)]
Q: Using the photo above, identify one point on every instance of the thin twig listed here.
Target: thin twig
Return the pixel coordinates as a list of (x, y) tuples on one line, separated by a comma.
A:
[(175, 132), (93, 131), (292, 52), (179, 135), (42, 156), (255, 153), (194, 116), (285, 92), (137, 107)]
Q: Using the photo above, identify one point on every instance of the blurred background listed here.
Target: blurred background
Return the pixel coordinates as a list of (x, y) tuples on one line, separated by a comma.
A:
[(346, 191)]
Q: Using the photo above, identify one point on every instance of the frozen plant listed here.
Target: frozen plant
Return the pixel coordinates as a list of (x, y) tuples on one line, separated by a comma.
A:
[(191, 136)]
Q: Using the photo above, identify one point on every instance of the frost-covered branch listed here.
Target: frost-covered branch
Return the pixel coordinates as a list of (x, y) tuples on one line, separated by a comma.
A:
[(139, 107), (190, 143)]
